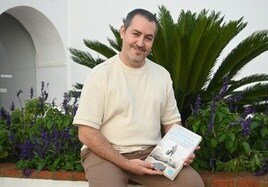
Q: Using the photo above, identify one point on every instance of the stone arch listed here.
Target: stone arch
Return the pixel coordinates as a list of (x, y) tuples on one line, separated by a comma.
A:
[(45, 56)]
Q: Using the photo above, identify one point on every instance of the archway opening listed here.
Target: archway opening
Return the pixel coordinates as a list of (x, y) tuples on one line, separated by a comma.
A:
[(17, 61)]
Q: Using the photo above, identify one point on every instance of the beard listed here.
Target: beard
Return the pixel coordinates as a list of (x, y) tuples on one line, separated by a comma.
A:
[(138, 54)]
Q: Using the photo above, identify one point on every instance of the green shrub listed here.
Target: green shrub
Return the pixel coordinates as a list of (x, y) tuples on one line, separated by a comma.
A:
[(40, 135), (232, 141)]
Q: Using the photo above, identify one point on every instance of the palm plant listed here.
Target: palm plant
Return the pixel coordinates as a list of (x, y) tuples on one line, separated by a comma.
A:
[(189, 49)]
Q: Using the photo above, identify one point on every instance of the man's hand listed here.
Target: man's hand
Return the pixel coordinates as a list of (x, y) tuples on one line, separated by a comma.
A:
[(190, 158), (141, 167)]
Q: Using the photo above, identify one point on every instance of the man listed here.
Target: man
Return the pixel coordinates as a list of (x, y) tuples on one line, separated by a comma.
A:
[(122, 105), (171, 151)]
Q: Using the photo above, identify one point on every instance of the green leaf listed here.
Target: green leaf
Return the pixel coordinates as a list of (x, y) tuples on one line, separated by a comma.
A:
[(231, 136), (41, 165), (213, 142), (246, 147), (223, 137)]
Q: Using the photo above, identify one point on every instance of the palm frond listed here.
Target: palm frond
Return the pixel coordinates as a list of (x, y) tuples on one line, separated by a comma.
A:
[(247, 50), (226, 33), (247, 81), (162, 43), (251, 47), (117, 43), (84, 58), (255, 95), (204, 35), (100, 48), (78, 86), (256, 90)]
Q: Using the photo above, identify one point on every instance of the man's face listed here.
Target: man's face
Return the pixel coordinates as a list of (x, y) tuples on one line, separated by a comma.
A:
[(137, 41)]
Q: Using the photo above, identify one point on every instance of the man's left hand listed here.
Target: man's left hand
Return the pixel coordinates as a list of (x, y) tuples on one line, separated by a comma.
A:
[(190, 158)]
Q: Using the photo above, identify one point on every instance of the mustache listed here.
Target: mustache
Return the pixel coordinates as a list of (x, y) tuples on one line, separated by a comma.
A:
[(139, 48)]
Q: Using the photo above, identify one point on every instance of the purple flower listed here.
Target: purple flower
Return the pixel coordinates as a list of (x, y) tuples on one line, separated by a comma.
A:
[(53, 103), (56, 138), (42, 86), (12, 106), (26, 150), (245, 126), (75, 107), (224, 88), (232, 100), (66, 99), (40, 149), (213, 108), (66, 133), (3, 113), (44, 94), (8, 121), (42, 104), (31, 92), (75, 103), (248, 110), (45, 138), (11, 137), (27, 172), (19, 92)]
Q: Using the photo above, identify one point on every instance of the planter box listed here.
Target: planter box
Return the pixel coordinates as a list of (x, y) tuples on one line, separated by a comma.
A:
[(233, 179), (11, 177)]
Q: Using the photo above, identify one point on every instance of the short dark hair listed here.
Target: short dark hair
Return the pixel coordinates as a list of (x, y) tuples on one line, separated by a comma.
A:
[(139, 11)]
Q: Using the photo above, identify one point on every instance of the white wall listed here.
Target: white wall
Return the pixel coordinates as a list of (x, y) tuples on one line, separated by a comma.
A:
[(90, 19), (55, 10)]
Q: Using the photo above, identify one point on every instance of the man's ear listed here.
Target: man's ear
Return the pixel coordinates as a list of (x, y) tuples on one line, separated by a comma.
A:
[(122, 31)]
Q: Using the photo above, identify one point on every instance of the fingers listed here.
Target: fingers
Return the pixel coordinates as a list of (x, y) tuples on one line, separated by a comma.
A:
[(149, 169), (153, 172), (189, 159), (146, 165)]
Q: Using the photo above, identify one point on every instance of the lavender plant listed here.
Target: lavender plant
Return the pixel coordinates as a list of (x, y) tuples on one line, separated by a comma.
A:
[(40, 135), (232, 141), (4, 127)]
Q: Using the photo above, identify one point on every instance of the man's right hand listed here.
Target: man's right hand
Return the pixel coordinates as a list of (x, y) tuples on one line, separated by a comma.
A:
[(141, 167)]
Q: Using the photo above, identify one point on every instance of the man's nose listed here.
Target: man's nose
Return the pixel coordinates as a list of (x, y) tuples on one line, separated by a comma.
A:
[(140, 42)]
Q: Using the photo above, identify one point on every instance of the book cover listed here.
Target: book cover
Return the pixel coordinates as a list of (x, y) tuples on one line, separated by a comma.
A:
[(169, 154)]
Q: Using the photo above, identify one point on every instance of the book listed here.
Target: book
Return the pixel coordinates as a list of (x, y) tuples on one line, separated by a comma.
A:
[(170, 153)]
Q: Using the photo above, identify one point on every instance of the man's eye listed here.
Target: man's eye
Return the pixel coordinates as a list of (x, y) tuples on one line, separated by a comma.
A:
[(149, 39)]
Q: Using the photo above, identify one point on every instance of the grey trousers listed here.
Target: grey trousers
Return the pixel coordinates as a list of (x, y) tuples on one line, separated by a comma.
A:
[(102, 173)]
